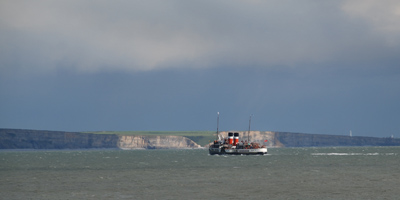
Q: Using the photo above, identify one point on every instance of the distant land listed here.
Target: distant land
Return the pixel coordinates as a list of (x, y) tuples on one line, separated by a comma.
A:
[(43, 139)]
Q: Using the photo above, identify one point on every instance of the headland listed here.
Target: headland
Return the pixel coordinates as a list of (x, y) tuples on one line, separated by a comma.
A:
[(43, 139)]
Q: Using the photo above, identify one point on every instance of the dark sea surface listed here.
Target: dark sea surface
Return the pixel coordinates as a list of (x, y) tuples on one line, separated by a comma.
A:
[(285, 173)]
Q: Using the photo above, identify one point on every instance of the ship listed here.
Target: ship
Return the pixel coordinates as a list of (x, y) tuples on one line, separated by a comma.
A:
[(232, 146)]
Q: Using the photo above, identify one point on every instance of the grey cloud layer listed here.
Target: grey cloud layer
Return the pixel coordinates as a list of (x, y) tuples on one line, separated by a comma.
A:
[(146, 35)]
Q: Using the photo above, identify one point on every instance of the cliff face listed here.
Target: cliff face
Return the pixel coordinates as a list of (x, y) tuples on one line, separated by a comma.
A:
[(316, 140), (283, 139), (33, 139), (155, 142), (256, 136)]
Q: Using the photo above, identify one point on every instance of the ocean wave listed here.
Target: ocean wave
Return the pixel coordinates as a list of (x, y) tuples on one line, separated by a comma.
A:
[(352, 154)]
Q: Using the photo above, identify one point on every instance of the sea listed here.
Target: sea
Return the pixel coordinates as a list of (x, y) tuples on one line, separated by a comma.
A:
[(284, 173)]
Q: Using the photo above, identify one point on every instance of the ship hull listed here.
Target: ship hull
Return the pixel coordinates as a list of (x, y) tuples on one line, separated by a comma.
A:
[(221, 151)]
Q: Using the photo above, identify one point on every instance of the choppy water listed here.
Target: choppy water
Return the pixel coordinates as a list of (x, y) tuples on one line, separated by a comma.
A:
[(285, 173)]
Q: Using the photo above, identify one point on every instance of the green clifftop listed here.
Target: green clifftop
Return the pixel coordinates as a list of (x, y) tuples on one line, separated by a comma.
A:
[(285, 139), (37, 139)]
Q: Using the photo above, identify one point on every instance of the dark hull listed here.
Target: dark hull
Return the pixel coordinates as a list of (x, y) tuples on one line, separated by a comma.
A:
[(222, 151)]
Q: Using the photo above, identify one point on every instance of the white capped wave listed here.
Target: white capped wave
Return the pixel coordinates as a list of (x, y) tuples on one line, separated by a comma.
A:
[(352, 154)]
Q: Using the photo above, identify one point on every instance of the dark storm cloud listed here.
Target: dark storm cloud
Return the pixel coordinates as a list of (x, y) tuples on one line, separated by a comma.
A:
[(133, 35)]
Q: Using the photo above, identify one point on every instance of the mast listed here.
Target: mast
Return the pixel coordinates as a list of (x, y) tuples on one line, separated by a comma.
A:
[(248, 135), (217, 124)]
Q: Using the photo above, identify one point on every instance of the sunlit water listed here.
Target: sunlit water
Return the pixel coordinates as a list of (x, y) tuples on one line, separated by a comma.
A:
[(285, 173)]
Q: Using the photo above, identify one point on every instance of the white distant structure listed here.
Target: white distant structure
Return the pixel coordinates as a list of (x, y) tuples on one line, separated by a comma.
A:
[(351, 134)]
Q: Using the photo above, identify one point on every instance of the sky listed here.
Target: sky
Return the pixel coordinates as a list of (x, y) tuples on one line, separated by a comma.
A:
[(324, 67)]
